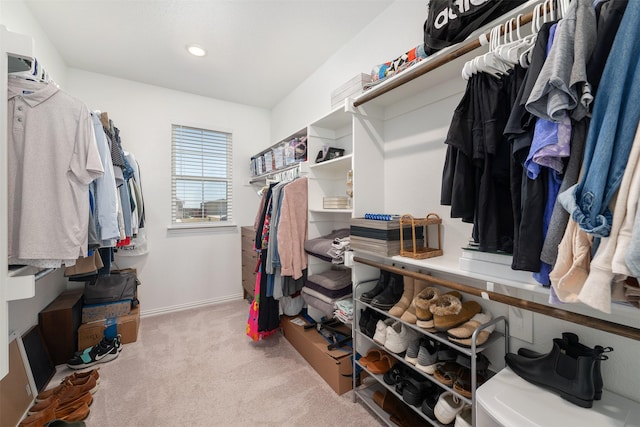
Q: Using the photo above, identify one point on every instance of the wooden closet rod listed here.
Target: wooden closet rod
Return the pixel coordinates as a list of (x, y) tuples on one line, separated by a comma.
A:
[(558, 313), (413, 73)]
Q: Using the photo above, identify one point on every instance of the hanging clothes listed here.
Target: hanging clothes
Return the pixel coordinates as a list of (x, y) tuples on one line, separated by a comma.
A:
[(611, 131), (52, 158)]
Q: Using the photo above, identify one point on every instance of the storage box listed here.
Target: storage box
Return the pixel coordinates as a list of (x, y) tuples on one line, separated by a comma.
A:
[(352, 88), (335, 202), (90, 334), (59, 322), (334, 366), (379, 237), (94, 312)]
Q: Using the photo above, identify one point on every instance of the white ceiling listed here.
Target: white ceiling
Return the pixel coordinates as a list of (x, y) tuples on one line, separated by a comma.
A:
[(258, 50)]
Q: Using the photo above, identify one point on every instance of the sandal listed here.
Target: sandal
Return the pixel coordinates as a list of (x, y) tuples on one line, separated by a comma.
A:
[(447, 372), (395, 374), (462, 384)]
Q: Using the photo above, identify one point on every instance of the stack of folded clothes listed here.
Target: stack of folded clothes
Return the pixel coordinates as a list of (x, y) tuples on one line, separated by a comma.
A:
[(321, 291), (344, 311), (330, 247)]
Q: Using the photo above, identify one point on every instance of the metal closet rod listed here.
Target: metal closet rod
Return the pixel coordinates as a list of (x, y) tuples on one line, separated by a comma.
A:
[(558, 313), (413, 73)]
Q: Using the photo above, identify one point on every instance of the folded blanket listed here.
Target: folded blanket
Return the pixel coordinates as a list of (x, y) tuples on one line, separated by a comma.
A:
[(330, 293), (320, 246), (319, 301), (332, 279)]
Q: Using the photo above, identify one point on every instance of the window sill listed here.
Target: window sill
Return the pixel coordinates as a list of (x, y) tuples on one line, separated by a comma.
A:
[(202, 227)]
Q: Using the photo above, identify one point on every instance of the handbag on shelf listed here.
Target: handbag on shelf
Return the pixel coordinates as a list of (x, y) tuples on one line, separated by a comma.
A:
[(112, 287), (451, 21)]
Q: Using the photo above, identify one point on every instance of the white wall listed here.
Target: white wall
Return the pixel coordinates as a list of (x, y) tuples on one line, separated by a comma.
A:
[(188, 267), (397, 30), (414, 157), (17, 18), (185, 268)]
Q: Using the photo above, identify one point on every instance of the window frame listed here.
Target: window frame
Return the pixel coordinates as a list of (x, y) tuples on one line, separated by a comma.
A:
[(213, 137)]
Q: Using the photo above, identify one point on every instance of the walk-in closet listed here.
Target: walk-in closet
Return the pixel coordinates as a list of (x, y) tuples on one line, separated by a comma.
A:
[(283, 213)]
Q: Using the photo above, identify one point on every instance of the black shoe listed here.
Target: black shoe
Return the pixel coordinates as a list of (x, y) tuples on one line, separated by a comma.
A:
[(429, 402), (574, 349), (380, 286), (105, 351), (570, 377), (391, 295), (370, 329), (365, 315)]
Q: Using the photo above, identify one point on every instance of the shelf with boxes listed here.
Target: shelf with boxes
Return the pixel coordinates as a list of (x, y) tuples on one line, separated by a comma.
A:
[(450, 378), (282, 157)]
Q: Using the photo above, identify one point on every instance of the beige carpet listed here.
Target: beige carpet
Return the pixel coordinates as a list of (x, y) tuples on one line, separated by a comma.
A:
[(198, 368)]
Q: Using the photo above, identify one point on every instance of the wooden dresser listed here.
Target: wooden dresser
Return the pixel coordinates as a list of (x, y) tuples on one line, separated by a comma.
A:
[(249, 261)]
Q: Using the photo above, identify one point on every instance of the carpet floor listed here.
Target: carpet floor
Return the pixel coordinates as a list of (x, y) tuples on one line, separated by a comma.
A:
[(198, 368)]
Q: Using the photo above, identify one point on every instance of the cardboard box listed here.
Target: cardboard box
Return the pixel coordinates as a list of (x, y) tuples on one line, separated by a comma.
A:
[(90, 334), (334, 366), (109, 310), (59, 322)]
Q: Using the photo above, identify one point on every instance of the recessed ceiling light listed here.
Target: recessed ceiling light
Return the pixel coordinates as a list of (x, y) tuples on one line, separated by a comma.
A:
[(196, 50)]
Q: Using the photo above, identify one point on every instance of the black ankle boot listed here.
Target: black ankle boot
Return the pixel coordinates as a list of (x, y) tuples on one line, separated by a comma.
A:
[(380, 286), (570, 377), (391, 295), (574, 349)]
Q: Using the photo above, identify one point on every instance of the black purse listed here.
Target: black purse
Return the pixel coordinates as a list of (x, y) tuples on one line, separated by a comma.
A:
[(111, 288)]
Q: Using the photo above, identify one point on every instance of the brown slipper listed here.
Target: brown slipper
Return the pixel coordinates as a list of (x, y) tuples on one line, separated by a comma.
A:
[(372, 355), (469, 327), (381, 366), (422, 301), (425, 320), (449, 313)]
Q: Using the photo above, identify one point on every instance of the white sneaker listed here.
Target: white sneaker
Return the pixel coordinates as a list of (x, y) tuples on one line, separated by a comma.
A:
[(380, 336), (398, 337), (463, 418), (448, 406)]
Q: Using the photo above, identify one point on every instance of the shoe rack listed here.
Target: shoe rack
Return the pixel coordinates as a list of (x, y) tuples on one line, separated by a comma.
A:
[(362, 343)]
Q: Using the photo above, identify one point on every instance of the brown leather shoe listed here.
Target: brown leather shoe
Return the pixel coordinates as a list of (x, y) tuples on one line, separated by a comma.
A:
[(68, 389), (44, 395), (78, 378), (73, 413), (39, 419), (62, 402)]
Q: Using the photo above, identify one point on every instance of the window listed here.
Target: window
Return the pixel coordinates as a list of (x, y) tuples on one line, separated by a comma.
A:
[(201, 175)]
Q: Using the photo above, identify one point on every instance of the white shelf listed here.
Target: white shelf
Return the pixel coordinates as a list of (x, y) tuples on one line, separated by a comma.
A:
[(339, 164), (334, 120), (338, 211), (511, 401), (423, 83)]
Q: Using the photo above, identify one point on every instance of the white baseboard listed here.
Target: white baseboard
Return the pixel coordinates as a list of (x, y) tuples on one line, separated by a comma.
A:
[(174, 308)]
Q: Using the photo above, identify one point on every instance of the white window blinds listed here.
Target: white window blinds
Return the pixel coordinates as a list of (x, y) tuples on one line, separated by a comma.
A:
[(201, 189)]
